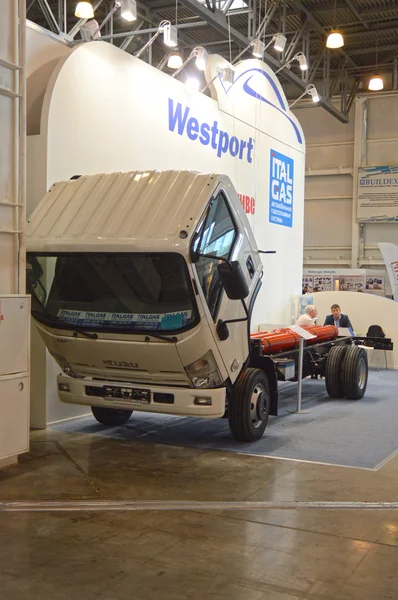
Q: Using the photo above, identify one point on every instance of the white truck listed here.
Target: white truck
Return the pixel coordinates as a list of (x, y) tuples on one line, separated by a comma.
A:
[(142, 287)]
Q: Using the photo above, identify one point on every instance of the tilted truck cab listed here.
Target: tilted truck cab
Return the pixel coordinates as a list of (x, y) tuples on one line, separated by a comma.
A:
[(142, 289)]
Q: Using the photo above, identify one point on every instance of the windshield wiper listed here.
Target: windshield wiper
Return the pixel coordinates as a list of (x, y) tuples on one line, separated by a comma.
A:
[(173, 340), (75, 328)]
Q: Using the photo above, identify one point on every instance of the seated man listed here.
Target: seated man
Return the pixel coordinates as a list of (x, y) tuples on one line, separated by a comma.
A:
[(308, 318), (337, 318)]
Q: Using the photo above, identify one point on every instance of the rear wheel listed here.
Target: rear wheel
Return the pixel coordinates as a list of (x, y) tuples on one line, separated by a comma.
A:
[(111, 416), (333, 372), (249, 406), (355, 373)]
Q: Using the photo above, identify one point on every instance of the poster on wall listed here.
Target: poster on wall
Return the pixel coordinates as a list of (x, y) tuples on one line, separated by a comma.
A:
[(350, 283), (377, 194), (375, 282), (322, 283), (327, 280)]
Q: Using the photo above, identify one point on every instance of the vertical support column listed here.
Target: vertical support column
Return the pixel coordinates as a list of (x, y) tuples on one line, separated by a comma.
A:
[(359, 159), (21, 209)]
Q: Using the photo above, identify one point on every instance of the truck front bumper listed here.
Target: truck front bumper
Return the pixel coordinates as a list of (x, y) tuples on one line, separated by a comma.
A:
[(187, 402)]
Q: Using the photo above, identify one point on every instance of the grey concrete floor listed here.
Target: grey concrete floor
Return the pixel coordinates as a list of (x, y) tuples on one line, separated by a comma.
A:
[(234, 555)]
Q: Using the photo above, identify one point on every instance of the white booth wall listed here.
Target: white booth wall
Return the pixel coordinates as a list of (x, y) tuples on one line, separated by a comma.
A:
[(365, 310), (332, 236), (106, 111)]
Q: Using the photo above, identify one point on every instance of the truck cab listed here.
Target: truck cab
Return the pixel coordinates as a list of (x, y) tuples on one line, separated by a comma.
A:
[(142, 286)]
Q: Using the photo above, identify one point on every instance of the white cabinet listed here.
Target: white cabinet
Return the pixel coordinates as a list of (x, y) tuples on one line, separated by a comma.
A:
[(14, 376)]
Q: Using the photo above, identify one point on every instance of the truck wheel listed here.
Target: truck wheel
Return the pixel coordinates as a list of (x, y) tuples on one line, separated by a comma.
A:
[(111, 416), (249, 407), (355, 373), (333, 371)]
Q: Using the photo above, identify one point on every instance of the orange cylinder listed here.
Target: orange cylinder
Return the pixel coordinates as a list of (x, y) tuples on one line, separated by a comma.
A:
[(284, 339)]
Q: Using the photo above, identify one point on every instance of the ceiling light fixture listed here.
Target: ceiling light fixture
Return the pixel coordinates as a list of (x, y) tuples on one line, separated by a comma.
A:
[(175, 61), (335, 39), (84, 10), (376, 83), (200, 55), (311, 91)]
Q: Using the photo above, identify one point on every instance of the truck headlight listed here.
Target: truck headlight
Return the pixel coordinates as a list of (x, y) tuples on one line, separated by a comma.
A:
[(204, 372)]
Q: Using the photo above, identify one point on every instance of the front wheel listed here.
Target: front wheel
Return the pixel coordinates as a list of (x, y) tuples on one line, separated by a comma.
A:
[(111, 416), (249, 407)]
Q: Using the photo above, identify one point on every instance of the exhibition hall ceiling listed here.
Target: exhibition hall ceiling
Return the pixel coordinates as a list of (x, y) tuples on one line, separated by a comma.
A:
[(368, 26)]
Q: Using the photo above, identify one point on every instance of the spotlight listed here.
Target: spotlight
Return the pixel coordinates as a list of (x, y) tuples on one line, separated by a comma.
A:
[(128, 10)]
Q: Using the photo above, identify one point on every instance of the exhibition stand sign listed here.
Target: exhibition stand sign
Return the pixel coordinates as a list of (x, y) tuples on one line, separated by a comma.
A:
[(108, 111), (377, 193)]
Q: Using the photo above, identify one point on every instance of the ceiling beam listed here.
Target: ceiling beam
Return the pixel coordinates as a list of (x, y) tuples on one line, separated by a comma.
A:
[(356, 13), (218, 21), (371, 50)]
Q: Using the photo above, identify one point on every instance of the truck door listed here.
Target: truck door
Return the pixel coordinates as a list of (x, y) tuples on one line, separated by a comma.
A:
[(222, 235)]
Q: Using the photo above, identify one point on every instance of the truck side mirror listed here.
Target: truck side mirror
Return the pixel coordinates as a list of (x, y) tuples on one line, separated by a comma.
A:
[(233, 280)]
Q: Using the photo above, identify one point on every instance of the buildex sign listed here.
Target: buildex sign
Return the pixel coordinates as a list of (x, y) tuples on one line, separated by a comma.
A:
[(281, 189)]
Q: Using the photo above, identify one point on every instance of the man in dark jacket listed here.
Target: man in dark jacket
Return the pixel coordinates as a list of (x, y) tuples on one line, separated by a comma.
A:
[(337, 318)]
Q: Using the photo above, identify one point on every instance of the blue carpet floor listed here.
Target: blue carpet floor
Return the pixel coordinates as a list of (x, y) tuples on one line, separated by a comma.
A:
[(360, 433)]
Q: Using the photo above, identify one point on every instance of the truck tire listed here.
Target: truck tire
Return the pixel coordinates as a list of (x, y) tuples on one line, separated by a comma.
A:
[(333, 371), (249, 407), (355, 373), (111, 416)]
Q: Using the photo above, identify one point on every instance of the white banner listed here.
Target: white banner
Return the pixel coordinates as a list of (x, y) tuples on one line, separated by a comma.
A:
[(390, 257), (377, 194)]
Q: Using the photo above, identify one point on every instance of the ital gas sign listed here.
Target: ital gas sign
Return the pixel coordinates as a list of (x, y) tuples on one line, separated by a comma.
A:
[(281, 189)]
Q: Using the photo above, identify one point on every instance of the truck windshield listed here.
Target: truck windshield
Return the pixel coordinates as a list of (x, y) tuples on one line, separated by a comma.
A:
[(130, 292)]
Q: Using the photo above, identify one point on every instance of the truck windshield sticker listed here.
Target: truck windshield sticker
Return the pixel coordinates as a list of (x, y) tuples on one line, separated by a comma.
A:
[(168, 321), (281, 189), (183, 122)]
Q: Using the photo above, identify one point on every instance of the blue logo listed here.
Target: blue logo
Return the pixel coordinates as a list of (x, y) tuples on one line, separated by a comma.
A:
[(208, 134), (281, 189), (279, 106)]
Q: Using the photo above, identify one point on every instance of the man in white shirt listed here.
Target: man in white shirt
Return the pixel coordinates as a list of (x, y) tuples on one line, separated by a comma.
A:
[(308, 318)]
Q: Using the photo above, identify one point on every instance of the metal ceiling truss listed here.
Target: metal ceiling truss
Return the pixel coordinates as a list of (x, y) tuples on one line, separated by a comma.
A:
[(263, 20)]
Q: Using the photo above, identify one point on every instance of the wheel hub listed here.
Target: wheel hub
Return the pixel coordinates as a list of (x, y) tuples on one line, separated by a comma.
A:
[(361, 373), (258, 408)]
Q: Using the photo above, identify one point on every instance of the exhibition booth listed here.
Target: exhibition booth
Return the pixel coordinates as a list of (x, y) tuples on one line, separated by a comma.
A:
[(104, 110)]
